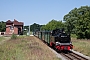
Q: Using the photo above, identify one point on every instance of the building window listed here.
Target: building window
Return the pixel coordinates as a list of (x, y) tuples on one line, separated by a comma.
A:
[(11, 27)]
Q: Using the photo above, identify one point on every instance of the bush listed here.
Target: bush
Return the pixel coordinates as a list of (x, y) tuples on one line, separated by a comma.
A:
[(13, 36), (73, 36)]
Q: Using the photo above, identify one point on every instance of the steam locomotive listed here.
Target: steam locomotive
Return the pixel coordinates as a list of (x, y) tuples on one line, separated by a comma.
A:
[(57, 39), (60, 40)]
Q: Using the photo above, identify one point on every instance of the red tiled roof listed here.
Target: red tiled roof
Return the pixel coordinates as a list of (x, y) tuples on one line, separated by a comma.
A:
[(9, 21), (15, 22)]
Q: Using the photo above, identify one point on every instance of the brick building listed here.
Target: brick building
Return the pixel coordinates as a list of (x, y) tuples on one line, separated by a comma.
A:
[(14, 27)]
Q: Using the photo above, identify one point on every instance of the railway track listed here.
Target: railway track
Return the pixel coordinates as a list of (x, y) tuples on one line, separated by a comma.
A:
[(70, 55), (73, 56)]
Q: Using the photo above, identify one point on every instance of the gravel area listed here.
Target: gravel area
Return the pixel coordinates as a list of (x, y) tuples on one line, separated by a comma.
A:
[(57, 54)]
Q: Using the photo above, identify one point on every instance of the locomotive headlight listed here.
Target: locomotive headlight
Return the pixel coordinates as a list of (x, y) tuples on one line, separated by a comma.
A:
[(57, 43)]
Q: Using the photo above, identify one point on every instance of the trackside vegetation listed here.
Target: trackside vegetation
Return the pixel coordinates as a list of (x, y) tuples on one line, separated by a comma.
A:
[(26, 48), (14, 36), (1, 38), (82, 46)]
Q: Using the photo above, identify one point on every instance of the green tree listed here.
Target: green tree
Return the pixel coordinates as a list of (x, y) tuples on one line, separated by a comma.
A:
[(71, 19), (83, 24), (35, 26), (2, 26), (78, 21), (53, 24)]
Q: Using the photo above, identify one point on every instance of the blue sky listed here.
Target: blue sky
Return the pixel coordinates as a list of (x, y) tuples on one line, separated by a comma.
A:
[(37, 11)]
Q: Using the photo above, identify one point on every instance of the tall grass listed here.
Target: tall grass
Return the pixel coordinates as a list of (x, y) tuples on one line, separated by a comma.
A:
[(25, 48), (82, 46), (1, 38)]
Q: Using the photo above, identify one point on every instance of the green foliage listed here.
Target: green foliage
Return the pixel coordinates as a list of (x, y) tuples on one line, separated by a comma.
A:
[(25, 33), (53, 24), (71, 20), (73, 36), (2, 26), (14, 36), (78, 21), (35, 27)]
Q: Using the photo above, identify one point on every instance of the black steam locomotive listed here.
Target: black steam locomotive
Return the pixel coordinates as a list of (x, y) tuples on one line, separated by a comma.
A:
[(57, 39), (60, 40)]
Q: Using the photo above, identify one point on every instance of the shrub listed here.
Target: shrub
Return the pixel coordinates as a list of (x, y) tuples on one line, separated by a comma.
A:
[(13, 36)]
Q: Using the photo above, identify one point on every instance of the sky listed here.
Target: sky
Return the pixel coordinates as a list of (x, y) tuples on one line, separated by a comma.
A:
[(37, 11)]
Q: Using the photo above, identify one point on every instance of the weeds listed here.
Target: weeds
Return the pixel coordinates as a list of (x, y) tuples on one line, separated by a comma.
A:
[(19, 49), (14, 36), (82, 46)]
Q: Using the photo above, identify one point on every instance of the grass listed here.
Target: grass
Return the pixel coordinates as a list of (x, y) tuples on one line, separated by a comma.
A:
[(1, 38), (25, 48), (82, 46), (10, 51)]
